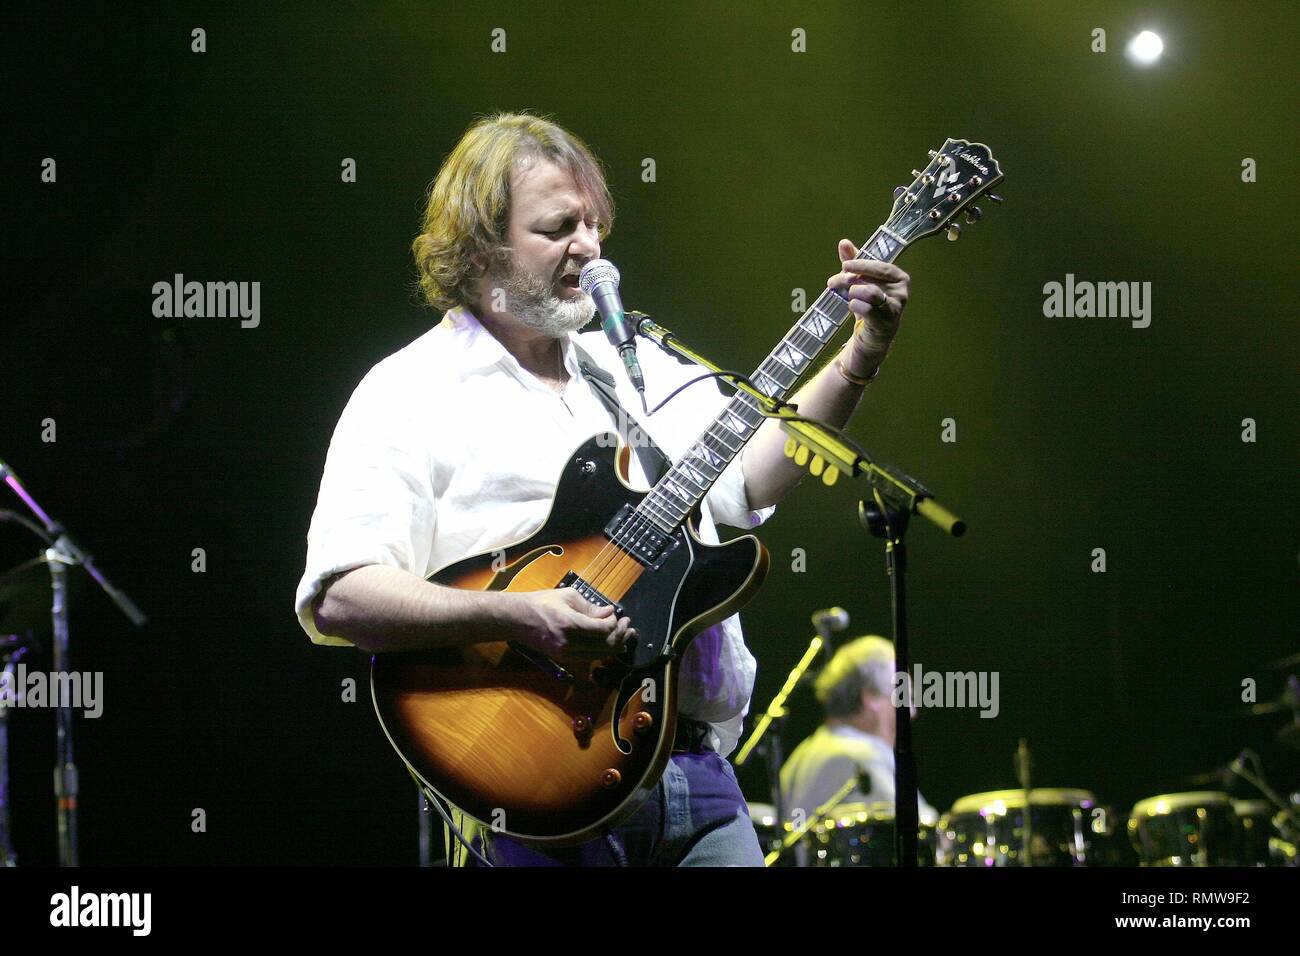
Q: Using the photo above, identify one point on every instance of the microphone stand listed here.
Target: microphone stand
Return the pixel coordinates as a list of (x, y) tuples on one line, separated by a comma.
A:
[(896, 496), (775, 714), (62, 552), (12, 653), (855, 782), (1026, 824)]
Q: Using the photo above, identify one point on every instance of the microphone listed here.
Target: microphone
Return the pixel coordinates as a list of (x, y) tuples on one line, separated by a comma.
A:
[(829, 620), (599, 279)]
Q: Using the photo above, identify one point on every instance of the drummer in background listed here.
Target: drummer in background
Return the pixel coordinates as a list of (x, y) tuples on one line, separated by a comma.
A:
[(855, 691)]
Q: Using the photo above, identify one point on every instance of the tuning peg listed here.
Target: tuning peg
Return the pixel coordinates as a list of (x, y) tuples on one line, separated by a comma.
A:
[(916, 174), (932, 153), (974, 214), (954, 232), (994, 197), (899, 190)]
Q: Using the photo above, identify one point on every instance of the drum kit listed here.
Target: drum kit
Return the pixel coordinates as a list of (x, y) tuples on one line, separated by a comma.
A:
[(1067, 828), (1036, 826)]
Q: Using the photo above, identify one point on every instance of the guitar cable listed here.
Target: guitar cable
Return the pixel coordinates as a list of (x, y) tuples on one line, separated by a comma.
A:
[(434, 801), (780, 404)]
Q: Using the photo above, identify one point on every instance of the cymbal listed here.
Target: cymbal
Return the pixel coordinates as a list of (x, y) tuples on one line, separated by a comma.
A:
[(25, 596)]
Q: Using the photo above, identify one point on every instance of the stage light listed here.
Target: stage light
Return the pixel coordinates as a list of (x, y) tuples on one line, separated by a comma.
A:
[(1145, 48)]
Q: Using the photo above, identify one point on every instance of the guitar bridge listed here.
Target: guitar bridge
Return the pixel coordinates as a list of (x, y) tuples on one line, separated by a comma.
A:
[(572, 580)]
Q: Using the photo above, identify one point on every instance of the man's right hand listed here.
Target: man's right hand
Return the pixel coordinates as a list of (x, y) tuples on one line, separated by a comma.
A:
[(564, 625)]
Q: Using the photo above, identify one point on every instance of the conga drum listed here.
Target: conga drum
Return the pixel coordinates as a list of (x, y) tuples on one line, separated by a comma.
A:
[(862, 834), (1186, 829), (987, 829)]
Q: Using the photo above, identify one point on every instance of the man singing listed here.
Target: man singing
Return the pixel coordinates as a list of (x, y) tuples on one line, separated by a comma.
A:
[(453, 446)]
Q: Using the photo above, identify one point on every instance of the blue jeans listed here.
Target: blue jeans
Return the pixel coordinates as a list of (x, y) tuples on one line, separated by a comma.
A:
[(695, 817)]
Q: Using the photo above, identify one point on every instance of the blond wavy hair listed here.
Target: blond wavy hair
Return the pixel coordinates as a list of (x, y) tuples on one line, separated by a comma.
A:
[(468, 207)]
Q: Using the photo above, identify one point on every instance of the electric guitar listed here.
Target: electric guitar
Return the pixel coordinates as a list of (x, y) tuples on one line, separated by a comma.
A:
[(553, 757)]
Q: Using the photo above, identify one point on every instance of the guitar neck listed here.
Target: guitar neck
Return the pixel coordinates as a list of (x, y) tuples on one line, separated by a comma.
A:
[(684, 486)]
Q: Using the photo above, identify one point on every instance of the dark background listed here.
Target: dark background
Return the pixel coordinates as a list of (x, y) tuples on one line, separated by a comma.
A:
[(1073, 434)]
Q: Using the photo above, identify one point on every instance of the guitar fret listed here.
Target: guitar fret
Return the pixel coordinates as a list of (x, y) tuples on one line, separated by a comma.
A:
[(673, 489), (693, 475), (708, 471), (790, 356), (744, 407), (822, 326), (722, 441), (666, 513), (684, 479), (767, 384)]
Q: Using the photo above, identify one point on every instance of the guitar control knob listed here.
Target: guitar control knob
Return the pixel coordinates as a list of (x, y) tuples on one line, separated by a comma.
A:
[(642, 721), (610, 778)]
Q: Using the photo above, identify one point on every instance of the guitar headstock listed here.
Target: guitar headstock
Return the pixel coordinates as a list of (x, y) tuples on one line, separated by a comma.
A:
[(957, 174)]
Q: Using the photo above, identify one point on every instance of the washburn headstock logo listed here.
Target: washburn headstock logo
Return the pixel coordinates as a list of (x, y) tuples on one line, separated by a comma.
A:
[(975, 161)]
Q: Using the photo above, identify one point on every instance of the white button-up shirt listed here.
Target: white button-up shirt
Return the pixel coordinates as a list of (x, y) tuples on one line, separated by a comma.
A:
[(824, 762), (450, 448)]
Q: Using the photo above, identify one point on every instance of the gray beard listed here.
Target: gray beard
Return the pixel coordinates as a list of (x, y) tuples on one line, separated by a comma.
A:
[(532, 300)]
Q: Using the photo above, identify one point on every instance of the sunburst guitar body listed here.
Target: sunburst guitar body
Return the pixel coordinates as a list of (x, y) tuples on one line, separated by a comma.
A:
[(537, 752)]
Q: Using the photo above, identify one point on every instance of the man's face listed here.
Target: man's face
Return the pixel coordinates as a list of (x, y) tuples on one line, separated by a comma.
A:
[(552, 234)]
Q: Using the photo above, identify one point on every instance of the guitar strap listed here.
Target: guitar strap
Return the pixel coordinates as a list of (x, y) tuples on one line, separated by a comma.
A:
[(654, 462)]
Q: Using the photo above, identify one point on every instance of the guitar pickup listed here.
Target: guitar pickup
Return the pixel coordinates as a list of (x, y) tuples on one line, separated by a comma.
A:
[(640, 538)]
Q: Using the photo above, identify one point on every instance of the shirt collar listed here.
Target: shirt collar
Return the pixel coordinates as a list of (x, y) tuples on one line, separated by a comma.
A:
[(480, 349)]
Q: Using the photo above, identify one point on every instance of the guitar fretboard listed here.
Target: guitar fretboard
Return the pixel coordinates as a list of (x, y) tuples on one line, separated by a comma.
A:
[(684, 486)]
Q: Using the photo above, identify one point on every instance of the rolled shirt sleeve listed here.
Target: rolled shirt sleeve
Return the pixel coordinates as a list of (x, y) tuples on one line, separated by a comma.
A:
[(377, 503), (729, 502)]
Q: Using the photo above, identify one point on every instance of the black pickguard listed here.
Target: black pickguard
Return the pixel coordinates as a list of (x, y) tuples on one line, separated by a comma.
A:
[(694, 578)]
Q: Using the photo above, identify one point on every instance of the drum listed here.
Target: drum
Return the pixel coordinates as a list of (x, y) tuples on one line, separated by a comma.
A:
[(862, 834), (1186, 829), (763, 816), (770, 835), (1067, 828), (1256, 833)]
